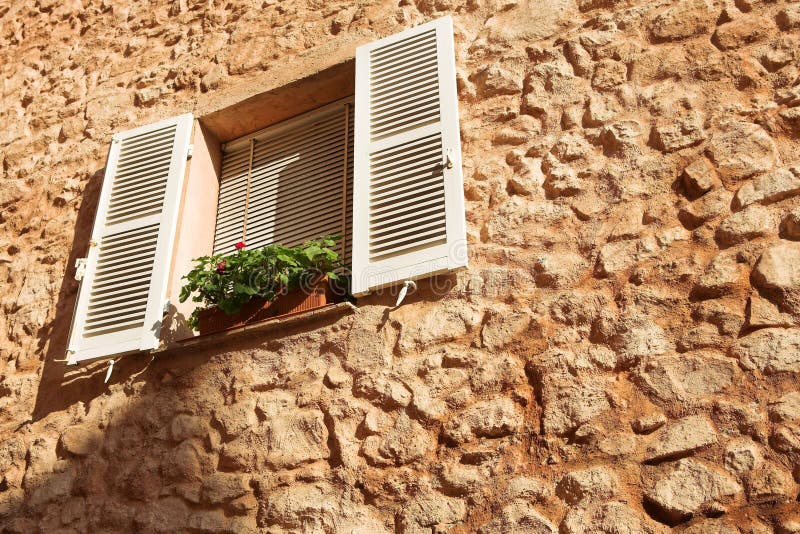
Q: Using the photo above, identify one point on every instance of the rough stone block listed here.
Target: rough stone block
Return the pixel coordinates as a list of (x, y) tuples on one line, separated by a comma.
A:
[(681, 439), (770, 350), (690, 488)]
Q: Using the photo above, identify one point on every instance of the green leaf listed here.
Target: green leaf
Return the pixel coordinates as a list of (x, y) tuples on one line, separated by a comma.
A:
[(252, 272), (312, 252), (247, 290)]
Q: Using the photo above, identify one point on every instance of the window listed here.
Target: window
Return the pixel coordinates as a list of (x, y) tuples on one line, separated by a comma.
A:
[(383, 168)]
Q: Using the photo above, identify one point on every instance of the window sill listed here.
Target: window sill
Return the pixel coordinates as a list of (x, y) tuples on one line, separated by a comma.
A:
[(267, 325)]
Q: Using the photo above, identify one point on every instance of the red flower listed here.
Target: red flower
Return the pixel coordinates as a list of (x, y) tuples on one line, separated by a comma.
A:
[(240, 245), (221, 266)]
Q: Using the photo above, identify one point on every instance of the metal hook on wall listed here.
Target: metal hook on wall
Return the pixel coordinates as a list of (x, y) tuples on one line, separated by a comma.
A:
[(408, 284)]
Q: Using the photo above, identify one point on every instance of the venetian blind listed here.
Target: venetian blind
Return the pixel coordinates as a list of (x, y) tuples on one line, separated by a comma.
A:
[(289, 183)]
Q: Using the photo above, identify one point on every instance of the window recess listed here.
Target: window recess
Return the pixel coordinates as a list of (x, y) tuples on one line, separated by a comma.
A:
[(289, 183)]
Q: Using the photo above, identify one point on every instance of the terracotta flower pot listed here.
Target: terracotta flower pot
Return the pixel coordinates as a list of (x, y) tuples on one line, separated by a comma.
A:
[(298, 300)]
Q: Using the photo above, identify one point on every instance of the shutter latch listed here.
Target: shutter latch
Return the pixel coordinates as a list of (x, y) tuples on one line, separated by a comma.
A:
[(190, 152), (408, 284), (109, 370), (80, 268), (448, 158)]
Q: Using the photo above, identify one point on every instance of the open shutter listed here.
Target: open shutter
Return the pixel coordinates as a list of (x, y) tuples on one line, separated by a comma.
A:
[(408, 199), (123, 291)]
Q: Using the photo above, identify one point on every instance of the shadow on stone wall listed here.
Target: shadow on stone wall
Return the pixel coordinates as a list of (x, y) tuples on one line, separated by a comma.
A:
[(196, 438), (183, 440), (59, 387), (228, 437)]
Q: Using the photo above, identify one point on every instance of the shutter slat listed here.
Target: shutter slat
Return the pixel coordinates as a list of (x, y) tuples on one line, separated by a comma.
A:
[(300, 173), (414, 244), (142, 173), (132, 187), (135, 212), (386, 104), (402, 77), (112, 272), (415, 163), (147, 193), (279, 214), (390, 57), (154, 189), (115, 242), (388, 51), (296, 236), (122, 259), (114, 309), (420, 216), (415, 183), (280, 194), (407, 239), (131, 307), (124, 287), (401, 229), (277, 220), (412, 60), (407, 123), (133, 145), (115, 324), (303, 138), (289, 195), (420, 168), (122, 293), (404, 109), (152, 152), (407, 204), (293, 235), (412, 82), (144, 163), (397, 205), (422, 191)]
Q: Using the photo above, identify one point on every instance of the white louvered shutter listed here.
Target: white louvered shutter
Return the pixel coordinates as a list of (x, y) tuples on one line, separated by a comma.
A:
[(288, 183), (408, 199), (123, 291)]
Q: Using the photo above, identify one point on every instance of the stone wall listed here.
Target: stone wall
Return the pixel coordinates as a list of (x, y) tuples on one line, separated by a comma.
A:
[(622, 355)]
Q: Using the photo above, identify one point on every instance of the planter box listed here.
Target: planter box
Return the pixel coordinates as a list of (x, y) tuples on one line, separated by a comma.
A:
[(213, 320)]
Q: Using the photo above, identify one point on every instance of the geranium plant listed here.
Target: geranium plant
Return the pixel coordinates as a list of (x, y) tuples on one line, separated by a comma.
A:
[(229, 282)]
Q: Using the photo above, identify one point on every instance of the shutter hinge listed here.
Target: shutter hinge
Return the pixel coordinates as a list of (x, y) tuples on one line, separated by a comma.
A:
[(448, 158), (66, 358), (93, 243), (80, 268), (167, 306), (190, 152)]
